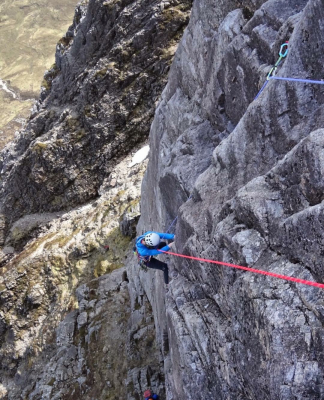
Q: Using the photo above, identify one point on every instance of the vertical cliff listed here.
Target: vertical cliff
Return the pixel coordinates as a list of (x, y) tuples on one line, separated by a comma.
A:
[(254, 169)]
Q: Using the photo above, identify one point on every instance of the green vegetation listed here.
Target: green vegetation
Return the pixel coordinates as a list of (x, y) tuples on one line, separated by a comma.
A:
[(51, 382), (101, 73), (65, 40), (46, 84), (39, 147), (29, 32), (114, 258)]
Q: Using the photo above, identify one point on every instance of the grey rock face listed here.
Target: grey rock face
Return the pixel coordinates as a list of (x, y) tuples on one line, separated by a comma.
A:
[(254, 172), (98, 103), (101, 349), (129, 220)]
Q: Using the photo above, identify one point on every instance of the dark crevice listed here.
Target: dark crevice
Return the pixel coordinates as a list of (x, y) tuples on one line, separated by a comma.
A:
[(125, 277), (247, 13)]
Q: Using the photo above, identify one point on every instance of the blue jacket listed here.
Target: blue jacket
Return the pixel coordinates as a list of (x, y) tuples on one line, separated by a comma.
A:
[(154, 397), (144, 251)]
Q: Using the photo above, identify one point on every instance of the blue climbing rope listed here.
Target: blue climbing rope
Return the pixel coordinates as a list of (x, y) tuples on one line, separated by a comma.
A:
[(172, 224), (262, 89), (175, 219), (297, 80)]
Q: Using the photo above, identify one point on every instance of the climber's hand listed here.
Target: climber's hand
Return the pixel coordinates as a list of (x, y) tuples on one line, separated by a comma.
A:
[(172, 246)]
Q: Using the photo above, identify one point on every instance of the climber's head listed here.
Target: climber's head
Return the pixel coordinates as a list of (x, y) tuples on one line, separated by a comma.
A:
[(147, 393), (152, 240)]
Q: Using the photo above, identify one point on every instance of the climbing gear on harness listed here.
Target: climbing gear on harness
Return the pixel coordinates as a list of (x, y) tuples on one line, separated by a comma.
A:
[(256, 271), (152, 239), (142, 260), (149, 395), (282, 54)]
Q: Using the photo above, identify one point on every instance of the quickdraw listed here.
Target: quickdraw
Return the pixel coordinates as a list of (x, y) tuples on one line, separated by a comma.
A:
[(282, 54)]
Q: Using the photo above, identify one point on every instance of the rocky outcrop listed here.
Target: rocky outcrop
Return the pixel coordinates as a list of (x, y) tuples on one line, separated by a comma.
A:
[(254, 172), (100, 350), (97, 103), (59, 342)]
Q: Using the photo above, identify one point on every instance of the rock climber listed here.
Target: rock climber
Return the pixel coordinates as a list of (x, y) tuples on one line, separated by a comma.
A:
[(147, 246), (149, 395)]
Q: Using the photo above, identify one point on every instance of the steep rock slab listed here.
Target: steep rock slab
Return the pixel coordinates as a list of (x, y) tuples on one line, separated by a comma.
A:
[(97, 103), (234, 335)]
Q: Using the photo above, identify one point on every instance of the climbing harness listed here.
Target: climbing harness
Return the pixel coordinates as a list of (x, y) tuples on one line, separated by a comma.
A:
[(282, 54), (256, 271), (142, 260)]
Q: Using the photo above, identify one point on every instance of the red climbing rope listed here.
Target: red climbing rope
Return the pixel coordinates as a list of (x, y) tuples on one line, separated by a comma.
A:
[(256, 271)]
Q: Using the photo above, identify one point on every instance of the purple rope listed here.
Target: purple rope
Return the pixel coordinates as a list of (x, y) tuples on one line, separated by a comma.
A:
[(261, 90), (176, 216), (172, 224), (297, 80)]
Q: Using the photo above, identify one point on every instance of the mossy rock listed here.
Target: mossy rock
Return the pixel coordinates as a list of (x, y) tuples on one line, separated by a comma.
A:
[(46, 84), (101, 73), (65, 41), (51, 382), (39, 147), (72, 123)]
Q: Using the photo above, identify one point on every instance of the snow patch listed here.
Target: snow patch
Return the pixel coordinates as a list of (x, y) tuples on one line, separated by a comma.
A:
[(139, 156)]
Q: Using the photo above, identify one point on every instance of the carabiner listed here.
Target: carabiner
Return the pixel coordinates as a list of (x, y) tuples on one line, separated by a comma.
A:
[(281, 53)]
